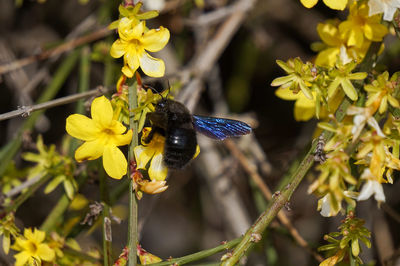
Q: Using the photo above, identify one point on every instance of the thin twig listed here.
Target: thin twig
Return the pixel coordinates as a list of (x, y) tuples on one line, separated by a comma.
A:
[(208, 19), (16, 190), (101, 33), (251, 169), (205, 59), (199, 255), (26, 110)]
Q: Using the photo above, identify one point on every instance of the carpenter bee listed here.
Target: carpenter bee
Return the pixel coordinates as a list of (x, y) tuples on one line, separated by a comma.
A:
[(173, 120)]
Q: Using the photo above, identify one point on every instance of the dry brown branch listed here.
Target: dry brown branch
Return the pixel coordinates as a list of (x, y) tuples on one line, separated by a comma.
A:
[(101, 33)]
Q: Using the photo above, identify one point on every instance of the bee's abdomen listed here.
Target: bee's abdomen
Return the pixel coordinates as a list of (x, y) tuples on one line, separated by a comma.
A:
[(180, 147)]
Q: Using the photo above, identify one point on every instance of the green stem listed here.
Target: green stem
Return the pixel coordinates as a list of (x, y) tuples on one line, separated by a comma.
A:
[(199, 255), (106, 221), (133, 205), (24, 196)]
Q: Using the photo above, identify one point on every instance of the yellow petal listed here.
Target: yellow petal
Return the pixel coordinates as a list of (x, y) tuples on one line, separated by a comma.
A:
[(45, 252), (154, 40), (375, 32), (143, 155), (117, 127), (38, 235), (129, 29), (327, 57), (304, 102), (90, 150), (21, 258), (28, 234), (138, 30), (329, 34), (81, 127), (118, 49), (127, 71), (309, 3), (102, 112), (336, 4), (132, 59), (151, 66), (114, 162), (303, 113), (287, 94), (157, 170), (121, 140)]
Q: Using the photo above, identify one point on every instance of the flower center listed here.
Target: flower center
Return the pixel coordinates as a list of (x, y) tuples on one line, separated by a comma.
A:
[(108, 131), (31, 247), (135, 42)]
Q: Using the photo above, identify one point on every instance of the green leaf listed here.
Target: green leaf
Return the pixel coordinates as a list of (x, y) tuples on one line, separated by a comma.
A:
[(6, 242), (53, 184), (69, 189), (355, 247), (327, 126), (284, 66), (349, 89), (147, 15), (113, 25), (281, 80), (123, 11)]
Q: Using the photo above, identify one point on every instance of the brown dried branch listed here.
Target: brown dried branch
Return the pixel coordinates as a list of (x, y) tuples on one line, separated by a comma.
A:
[(101, 33)]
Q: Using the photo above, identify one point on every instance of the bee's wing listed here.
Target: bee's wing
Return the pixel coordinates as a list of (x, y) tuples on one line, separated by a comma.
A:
[(220, 128)]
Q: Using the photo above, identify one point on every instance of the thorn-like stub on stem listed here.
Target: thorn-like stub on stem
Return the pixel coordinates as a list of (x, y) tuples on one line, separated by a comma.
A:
[(26, 110), (226, 256), (255, 237), (107, 229), (276, 194)]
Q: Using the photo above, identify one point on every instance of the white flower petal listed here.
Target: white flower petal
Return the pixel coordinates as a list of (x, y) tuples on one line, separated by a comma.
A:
[(366, 191), (325, 206), (372, 122), (359, 123), (372, 187)]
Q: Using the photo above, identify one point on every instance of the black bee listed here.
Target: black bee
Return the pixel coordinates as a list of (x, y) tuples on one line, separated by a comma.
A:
[(174, 121)]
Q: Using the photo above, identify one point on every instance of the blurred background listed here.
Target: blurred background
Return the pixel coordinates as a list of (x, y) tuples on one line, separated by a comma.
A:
[(220, 61)]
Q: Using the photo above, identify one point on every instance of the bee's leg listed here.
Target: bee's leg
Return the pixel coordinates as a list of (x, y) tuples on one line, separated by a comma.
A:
[(152, 132), (149, 137)]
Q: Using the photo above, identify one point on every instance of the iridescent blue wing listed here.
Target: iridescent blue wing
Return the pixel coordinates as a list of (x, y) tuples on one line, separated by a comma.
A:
[(220, 128)]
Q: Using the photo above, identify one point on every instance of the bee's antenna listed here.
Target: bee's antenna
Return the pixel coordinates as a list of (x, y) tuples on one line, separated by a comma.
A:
[(169, 88)]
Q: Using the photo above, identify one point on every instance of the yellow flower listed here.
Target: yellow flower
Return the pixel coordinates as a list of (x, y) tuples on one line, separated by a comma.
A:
[(102, 134), (153, 153), (333, 4), (133, 12), (32, 248), (304, 108), (135, 40), (335, 47), (381, 92), (360, 27)]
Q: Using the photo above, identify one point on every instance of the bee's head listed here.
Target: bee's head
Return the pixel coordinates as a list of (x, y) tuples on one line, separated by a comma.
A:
[(162, 105)]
